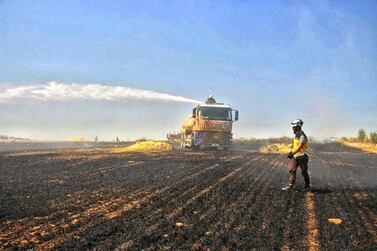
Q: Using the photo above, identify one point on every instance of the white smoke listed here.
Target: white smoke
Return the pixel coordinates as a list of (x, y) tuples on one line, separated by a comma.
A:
[(54, 91)]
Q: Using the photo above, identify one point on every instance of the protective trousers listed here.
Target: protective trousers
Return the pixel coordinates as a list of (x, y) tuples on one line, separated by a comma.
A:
[(302, 162)]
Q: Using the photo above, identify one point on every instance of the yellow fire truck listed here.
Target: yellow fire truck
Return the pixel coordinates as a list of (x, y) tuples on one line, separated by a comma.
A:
[(209, 126)]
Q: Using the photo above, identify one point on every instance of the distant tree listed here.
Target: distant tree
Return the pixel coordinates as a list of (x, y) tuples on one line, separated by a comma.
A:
[(141, 139), (373, 137), (362, 136)]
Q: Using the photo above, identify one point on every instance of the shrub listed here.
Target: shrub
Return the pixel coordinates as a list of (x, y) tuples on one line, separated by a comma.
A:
[(362, 136), (373, 137)]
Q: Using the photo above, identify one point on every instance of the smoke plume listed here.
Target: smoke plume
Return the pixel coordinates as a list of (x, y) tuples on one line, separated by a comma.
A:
[(54, 91)]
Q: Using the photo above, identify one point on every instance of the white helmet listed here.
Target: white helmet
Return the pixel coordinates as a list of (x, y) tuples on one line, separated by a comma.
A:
[(297, 122)]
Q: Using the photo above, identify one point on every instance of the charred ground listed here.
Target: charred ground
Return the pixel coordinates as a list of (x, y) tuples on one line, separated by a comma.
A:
[(66, 199)]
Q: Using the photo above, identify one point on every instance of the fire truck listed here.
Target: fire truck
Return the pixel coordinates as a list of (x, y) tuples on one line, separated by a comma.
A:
[(209, 126)]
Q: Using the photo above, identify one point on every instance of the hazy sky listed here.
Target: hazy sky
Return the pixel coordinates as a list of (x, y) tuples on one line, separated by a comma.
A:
[(274, 61)]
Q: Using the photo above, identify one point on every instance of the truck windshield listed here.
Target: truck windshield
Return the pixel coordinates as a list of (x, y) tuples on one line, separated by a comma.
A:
[(217, 113)]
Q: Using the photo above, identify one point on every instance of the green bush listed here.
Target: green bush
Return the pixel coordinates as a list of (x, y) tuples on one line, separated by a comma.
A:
[(373, 137), (362, 136)]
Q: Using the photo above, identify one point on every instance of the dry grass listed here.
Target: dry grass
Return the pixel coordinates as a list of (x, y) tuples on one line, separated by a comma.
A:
[(276, 148), (366, 147), (29, 153), (145, 146)]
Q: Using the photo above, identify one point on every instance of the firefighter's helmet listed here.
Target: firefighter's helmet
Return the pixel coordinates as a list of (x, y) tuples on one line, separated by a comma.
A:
[(297, 122)]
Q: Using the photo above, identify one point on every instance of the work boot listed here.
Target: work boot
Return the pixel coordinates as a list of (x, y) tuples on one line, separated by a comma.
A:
[(307, 188), (288, 188)]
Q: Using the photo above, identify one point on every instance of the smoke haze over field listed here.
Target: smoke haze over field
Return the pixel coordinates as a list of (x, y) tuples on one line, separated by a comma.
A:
[(57, 111)]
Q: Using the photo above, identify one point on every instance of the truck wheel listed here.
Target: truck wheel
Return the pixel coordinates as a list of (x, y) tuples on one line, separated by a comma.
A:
[(194, 147)]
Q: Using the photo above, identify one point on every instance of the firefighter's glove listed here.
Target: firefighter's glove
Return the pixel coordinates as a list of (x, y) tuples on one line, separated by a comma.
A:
[(290, 155)]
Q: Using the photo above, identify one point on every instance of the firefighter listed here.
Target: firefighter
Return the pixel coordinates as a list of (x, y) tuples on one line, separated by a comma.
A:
[(210, 100), (298, 156)]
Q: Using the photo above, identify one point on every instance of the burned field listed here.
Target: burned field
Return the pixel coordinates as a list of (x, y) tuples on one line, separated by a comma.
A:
[(71, 199)]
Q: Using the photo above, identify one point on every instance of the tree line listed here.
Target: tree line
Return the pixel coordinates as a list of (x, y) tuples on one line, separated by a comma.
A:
[(363, 137)]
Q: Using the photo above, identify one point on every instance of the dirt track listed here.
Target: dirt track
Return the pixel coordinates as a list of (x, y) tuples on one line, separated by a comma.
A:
[(186, 200)]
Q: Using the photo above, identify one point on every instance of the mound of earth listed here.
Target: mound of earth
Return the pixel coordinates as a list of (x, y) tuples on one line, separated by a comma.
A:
[(146, 146)]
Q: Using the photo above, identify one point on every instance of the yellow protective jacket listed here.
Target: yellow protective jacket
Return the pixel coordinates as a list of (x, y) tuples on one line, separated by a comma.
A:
[(296, 144)]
